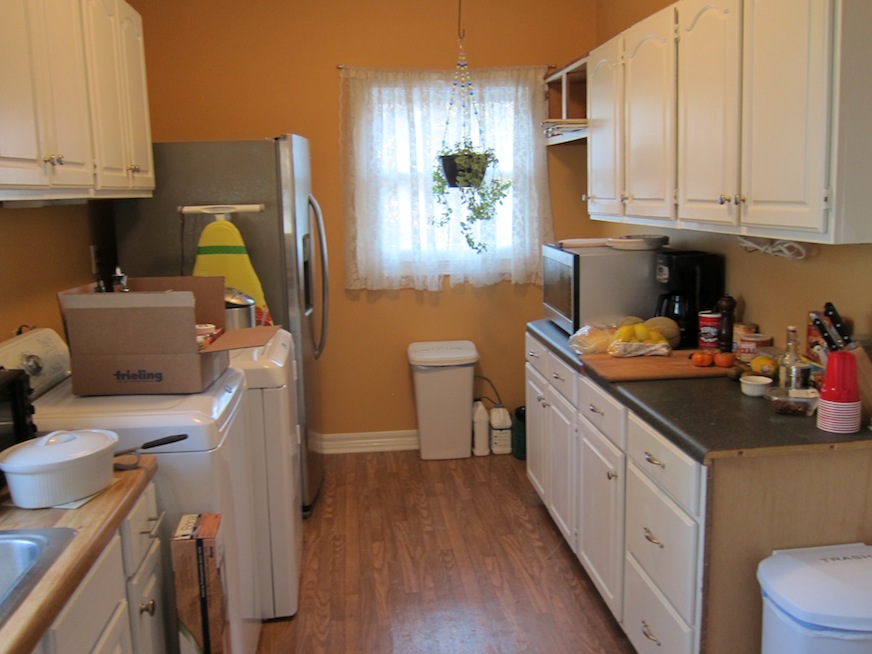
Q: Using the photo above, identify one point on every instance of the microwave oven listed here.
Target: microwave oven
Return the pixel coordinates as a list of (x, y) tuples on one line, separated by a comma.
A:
[(16, 410), (597, 285)]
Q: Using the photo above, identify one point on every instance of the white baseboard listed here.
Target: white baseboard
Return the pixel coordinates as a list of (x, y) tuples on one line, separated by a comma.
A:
[(376, 441)]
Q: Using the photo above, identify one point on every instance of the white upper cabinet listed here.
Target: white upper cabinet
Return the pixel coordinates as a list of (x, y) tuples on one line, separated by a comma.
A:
[(785, 115), (75, 105), (649, 116), (709, 104), (45, 134), (631, 121), (113, 37), (773, 128), (605, 116)]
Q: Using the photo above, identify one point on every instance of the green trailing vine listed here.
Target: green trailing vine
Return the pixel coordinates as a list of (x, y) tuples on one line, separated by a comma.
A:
[(480, 194)]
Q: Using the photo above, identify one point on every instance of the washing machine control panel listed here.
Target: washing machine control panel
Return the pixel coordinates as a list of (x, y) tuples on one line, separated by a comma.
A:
[(42, 354)]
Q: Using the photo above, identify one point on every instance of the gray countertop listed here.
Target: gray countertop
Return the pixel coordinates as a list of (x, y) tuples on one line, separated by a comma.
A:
[(706, 418)]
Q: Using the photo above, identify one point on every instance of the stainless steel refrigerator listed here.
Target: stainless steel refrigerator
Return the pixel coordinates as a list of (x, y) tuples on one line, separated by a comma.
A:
[(264, 188)]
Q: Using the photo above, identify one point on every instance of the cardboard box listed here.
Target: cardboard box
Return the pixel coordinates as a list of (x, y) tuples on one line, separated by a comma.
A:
[(144, 342), (198, 569)]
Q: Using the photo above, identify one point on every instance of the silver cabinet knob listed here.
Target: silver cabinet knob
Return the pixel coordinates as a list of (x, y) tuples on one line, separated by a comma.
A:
[(148, 607), (133, 168), (723, 199)]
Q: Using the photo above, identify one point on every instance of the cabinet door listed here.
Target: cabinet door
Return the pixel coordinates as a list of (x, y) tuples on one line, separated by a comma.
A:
[(537, 451), (92, 611), (601, 514), (561, 454), (107, 107), (138, 131), (786, 94), (21, 141), (709, 104), (649, 116), (115, 639), (144, 594), (45, 134), (605, 102)]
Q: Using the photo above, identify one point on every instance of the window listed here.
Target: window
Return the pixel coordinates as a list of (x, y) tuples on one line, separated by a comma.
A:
[(393, 124)]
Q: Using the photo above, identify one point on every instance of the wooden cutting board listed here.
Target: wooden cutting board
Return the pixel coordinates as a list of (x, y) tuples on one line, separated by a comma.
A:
[(676, 366)]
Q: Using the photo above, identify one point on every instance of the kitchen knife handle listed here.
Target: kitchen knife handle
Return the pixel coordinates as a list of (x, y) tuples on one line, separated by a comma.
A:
[(818, 322), (839, 325)]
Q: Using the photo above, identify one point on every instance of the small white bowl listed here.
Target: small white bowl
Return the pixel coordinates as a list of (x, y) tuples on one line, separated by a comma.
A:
[(755, 385)]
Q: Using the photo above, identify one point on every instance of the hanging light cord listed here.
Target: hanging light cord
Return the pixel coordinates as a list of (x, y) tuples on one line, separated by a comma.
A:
[(462, 90)]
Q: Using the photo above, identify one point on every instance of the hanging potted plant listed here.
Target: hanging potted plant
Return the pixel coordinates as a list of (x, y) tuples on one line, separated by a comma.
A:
[(461, 171), (465, 171)]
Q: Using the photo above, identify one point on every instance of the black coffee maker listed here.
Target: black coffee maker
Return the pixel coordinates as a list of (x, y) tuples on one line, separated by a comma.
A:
[(691, 281)]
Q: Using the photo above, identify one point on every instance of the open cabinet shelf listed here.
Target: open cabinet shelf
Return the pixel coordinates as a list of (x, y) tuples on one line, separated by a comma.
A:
[(567, 103)]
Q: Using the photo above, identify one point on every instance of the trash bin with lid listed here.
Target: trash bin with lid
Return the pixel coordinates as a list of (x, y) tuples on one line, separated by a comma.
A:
[(443, 374), (817, 600)]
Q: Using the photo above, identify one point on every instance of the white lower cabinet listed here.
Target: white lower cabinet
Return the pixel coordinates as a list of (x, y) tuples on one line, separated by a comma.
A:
[(95, 617), (144, 573), (601, 514), (551, 434), (116, 607), (629, 502), (664, 543), (650, 623)]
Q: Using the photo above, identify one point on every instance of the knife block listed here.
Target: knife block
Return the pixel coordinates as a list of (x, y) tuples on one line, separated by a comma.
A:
[(864, 377)]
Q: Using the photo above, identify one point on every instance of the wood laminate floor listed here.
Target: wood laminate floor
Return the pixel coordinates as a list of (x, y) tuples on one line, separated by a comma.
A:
[(405, 556)]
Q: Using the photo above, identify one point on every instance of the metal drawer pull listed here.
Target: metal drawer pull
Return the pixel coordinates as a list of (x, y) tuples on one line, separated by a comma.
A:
[(653, 460), (651, 538), (646, 631), (148, 607), (155, 527), (611, 474), (593, 408), (557, 376), (533, 354)]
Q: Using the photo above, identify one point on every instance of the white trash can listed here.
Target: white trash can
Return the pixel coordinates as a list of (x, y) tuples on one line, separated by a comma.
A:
[(443, 373), (817, 600)]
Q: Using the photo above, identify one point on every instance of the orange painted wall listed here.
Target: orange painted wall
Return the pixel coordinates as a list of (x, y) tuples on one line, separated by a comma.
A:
[(227, 70)]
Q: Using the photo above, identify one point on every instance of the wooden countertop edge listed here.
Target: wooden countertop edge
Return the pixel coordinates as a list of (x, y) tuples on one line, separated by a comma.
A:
[(95, 523), (781, 450)]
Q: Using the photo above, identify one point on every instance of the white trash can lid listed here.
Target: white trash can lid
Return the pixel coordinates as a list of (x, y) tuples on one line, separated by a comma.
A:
[(828, 586), (442, 353)]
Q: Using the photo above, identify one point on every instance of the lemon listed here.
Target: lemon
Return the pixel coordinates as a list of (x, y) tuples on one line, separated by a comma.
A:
[(763, 364), (627, 333), (629, 320), (642, 332)]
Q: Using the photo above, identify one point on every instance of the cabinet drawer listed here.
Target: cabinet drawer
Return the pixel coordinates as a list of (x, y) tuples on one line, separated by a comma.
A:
[(603, 411), (663, 539), (562, 378), (664, 463), (146, 606), (649, 622), (536, 354), (139, 530)]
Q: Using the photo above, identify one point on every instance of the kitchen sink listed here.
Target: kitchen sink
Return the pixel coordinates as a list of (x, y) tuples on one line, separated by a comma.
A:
[(25, 555)]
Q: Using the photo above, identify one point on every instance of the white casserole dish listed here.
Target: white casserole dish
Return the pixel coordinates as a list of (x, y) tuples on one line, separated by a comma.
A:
[(59, 467)]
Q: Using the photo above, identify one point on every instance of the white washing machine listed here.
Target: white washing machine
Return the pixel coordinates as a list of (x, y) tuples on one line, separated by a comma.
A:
[(274, 445), (207, 472)]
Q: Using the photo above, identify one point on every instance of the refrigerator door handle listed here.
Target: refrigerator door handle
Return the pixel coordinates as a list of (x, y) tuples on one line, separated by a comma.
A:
[(325, 290)]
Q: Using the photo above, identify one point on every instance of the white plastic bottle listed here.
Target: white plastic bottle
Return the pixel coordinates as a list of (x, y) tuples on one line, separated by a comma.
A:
[(500, 430), (479, 429)]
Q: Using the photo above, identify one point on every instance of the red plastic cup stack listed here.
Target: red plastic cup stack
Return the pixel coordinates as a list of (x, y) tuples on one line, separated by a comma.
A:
[(839, 407)]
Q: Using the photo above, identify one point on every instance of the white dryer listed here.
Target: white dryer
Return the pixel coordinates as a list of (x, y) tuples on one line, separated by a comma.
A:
[(207, 472), (274, 445)]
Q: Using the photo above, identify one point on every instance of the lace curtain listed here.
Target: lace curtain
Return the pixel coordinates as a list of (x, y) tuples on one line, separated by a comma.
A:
[(392, 125)]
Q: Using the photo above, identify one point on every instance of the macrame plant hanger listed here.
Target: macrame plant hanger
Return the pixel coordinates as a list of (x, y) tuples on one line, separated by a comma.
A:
[(463, 96)]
